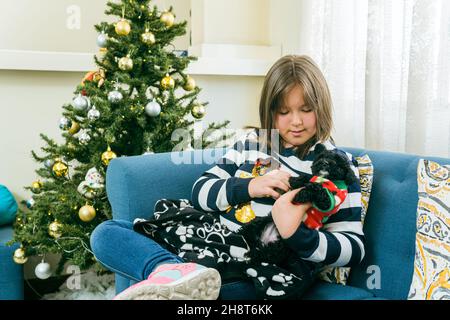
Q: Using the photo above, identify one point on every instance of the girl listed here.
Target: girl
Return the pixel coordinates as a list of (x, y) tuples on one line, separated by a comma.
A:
[(296, 102)]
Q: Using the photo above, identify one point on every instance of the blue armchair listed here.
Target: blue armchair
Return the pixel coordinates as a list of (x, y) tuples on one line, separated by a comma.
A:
[(134, 184)]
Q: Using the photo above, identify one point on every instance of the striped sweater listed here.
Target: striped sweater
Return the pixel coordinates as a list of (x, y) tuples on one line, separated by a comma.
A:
[(225, 186)]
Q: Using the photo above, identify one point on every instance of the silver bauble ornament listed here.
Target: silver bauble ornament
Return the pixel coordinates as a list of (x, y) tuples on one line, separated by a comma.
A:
[(115, 96), (65, 123), (84, 137), (153, 109), (43, 270), (49, 163), (93, 114), (80, 103), (102, 39)]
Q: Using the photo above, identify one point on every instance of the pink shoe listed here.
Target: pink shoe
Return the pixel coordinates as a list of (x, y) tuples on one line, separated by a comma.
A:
[(180, 281)]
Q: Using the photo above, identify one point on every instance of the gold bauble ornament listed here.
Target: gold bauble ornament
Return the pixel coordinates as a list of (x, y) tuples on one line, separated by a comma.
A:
[(54, 229), (19, 256), (198, 111), (36, 186), (126, 63), (74, 128), (123, 27), (148, 38), (244, 213), (190, 84), (168, 18), (60, 169), (167, 82), (107, 156), (102, 54), (86, 213)]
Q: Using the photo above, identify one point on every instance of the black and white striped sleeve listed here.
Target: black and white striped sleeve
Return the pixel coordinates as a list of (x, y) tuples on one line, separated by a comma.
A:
[(340, 243), (217, 189)]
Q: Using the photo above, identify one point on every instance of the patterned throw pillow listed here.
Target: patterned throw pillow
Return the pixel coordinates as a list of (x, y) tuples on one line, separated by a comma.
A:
[(432, 259), (340, 275)]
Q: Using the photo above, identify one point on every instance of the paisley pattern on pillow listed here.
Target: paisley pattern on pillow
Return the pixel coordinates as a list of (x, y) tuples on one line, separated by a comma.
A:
[(431, 278)]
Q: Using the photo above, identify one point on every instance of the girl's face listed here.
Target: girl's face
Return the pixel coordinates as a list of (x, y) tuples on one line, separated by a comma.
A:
[(295, 120)]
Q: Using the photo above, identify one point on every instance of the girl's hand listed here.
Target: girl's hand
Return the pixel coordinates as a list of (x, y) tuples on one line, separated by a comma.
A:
[(288, 216), (265, 186)]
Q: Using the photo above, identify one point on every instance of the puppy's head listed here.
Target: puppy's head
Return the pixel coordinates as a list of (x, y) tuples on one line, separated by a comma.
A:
[(332, 165)]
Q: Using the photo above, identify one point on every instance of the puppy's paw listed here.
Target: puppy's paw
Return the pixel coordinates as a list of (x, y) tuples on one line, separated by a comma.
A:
[(303, 196), (322, 200)]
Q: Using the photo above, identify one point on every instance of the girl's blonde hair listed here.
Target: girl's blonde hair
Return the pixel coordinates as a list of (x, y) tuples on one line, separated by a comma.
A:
[(286, 73)]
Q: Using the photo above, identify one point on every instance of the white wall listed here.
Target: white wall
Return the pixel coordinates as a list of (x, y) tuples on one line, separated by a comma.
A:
[(32, 100), (231, 22), (67, 25)]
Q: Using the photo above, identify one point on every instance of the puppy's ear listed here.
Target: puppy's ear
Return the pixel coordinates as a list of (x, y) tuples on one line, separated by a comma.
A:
[(319, 148), (350, 176)]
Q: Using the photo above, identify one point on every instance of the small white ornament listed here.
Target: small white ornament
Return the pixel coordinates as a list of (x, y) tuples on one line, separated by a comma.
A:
[(92, 182), (49, 163), (101, 40), (153, 109), (43, 270), (80, 103)]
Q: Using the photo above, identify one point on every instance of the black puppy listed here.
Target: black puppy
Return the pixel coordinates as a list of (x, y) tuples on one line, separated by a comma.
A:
[(261, 233)]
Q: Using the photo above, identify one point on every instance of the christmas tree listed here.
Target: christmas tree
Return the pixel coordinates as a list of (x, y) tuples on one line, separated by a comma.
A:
[(130, 106)]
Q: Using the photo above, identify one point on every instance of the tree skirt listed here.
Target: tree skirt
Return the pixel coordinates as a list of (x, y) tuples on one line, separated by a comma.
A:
[(89, 287)]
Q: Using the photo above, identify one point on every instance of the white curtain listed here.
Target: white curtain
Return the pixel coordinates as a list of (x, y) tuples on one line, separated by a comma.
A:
[(388, 66)]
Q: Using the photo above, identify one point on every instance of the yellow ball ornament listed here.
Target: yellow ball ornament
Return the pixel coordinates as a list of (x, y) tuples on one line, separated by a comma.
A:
[(86, 213), (167, 18), (102, 54), (36, 186), (126, 63), (107, 156), (74, 128), (167, 82), (54, 229), (60, 169), (244, 213), (198, 111), (190, 84), (123, 27), (148, 38), (19, 256)]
